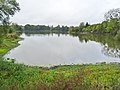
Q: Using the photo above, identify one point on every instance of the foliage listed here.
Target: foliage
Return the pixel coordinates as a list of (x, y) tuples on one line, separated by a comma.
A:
[(42, 28), (110, 26), (9, 33), (36, 27), (14, 76), (82, 25), (14, 28), (79, 28), (113, 13), (117, 37), (59, 29), (8, 43), (84, 77), (7, 9)]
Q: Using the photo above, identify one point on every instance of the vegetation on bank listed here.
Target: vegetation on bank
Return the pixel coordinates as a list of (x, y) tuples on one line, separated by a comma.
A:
[(110, 26), (72, 77), (7, 29), (106, 27), (9, 37), (7, 44), (42, 28)]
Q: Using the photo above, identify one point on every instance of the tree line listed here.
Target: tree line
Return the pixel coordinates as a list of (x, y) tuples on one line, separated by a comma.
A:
[(111, 25), (52, 28), (8, 8)]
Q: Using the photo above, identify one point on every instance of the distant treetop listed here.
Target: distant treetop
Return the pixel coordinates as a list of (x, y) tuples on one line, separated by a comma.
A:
[(113, 13)]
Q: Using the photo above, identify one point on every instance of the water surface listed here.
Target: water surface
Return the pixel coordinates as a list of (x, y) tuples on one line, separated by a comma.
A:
[(56, 49)]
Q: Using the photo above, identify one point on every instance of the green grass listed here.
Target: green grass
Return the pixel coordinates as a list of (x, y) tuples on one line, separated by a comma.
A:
[(8, 44), (75, 77), (2, 50)]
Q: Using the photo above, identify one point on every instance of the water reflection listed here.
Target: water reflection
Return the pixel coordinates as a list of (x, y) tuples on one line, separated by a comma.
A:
[(29, 33), (110, 48), (111, 52), (62, 48)]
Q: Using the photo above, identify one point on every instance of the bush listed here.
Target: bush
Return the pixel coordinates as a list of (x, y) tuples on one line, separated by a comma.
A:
[(1, 39), (117, 37)]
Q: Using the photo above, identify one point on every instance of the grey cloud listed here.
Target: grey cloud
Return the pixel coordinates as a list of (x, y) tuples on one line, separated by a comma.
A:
[(63, 12)]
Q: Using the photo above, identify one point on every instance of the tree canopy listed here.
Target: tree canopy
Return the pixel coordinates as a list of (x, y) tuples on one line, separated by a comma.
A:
[(113, 13), (7, 8)]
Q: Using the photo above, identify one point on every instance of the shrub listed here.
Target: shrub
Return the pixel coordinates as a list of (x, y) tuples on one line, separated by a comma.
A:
[(117, 37)]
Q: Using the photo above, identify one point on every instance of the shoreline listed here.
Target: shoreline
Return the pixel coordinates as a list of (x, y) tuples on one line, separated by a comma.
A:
[(11, 42), (15, 44)]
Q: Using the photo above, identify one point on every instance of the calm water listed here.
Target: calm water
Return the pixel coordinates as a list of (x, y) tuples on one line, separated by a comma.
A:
[(55, 49)]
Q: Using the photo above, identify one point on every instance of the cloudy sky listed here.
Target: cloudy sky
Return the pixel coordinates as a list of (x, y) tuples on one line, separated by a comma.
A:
[(63, 12)]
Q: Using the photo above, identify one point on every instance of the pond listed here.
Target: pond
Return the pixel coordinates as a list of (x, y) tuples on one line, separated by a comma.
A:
[(65, 49)]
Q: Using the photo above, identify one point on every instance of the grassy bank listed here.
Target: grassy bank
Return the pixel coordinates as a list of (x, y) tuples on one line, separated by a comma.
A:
[(8, 43), (74, 77)]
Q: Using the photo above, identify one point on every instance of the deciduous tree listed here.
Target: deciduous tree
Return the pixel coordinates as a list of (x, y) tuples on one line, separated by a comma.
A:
[(7, 8), (113, 13)]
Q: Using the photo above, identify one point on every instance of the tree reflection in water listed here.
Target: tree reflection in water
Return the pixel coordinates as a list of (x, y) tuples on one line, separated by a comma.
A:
[(111, 47), (111, 52)]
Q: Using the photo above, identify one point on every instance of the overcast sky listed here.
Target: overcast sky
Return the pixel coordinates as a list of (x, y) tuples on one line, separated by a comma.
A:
[(63, 12)]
